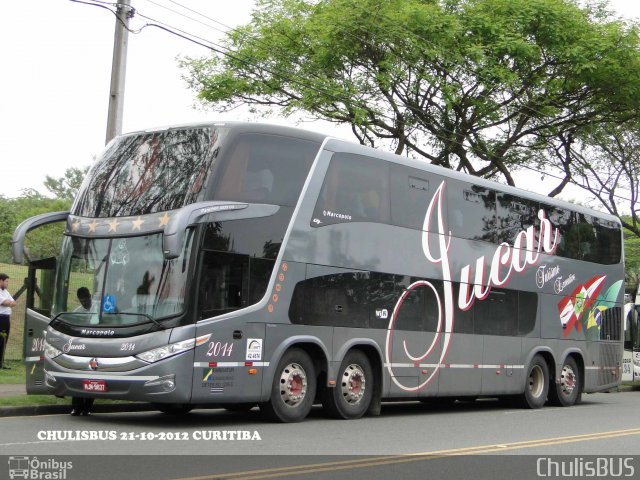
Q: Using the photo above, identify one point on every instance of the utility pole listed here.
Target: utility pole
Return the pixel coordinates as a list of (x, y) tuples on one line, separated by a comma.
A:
[(118, 69)]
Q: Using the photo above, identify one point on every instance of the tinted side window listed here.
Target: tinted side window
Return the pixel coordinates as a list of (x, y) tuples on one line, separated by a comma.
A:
[(565, 222), (411, 192), (419, 311), (462, 320), (331, 296), (229, 282), (497, 314), (600, 240), (355, 189), (257, 237), (265, 169), (384, 291), (527, 312), (472, 211), (515, 215), (587, 241)]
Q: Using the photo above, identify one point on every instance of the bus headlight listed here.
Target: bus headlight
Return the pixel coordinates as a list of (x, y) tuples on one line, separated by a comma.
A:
[(160, 353), (50, 351)]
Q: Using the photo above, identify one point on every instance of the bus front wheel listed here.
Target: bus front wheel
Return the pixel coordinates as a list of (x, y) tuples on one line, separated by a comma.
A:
[(293, 389), (537, 384), (568, 390), (351, 396)]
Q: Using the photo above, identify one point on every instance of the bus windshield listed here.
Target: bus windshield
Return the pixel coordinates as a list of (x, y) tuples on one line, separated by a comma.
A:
[(119, 281), (150, 172)]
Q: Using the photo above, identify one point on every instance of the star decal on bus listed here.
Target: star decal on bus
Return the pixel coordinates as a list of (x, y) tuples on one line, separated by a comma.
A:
[(113, 225), (137, 223), (164, 220)]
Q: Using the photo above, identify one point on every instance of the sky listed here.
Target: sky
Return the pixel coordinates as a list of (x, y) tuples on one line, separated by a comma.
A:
[(54, 88)]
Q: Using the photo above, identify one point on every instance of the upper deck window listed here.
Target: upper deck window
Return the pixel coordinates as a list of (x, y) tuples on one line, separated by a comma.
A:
[(262, 168), (150, 172), (355, 189)]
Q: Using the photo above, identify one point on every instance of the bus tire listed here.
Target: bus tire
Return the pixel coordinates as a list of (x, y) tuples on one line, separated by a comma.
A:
[(173, 408), (537, 384), (351, 397), (568, 391), (293, 389)]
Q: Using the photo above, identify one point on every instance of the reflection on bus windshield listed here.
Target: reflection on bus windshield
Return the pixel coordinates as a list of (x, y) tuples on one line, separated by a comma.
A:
[(119, 282)]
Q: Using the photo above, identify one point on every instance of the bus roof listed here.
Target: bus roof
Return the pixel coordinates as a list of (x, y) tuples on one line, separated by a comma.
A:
[(241, 127)]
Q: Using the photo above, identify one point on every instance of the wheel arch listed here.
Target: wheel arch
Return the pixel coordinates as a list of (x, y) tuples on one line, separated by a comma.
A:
[(547, 354), (313, 346)]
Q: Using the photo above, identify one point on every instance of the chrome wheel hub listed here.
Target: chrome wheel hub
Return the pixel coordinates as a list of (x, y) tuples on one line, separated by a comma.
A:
[(567, 380), (353, 384), (293, 384)]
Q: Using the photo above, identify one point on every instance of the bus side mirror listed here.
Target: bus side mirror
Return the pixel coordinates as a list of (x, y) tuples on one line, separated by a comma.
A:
[(17, 241)]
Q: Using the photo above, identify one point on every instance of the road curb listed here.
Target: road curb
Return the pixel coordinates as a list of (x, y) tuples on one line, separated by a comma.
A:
[(65, 409)]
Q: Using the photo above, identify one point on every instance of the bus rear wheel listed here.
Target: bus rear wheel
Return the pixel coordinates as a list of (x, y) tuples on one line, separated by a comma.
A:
[(537, 384), (293, 389), (352, 395), (568, 390)]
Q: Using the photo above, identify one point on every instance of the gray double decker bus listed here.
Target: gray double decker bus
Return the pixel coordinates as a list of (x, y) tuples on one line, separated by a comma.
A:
[(239, 264)]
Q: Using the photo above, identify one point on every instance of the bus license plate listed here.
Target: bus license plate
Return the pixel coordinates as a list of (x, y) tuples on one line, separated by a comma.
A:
[(94, 385)]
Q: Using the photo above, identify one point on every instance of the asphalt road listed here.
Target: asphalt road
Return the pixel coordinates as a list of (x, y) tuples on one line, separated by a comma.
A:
[(408, 440)]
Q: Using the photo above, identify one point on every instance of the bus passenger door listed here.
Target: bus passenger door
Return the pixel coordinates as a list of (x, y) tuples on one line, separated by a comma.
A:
[(39, 286), (39, 290)]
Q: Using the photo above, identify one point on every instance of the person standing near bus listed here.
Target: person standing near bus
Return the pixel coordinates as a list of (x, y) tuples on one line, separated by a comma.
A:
[(6, 303)]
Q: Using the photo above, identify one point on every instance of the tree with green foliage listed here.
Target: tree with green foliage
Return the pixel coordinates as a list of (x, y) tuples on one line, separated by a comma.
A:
[(606, 163), (67, 186), (481, 86), (41, 243), (45, 241)]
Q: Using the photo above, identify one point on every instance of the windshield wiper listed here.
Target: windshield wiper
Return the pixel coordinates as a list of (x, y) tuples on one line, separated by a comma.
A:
[(149, 317)]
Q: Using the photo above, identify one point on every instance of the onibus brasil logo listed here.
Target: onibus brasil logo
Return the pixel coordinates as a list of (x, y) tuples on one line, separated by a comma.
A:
[(40, 469)]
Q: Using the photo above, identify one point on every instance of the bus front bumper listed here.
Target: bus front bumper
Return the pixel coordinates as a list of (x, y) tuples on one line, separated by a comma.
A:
[(167, 381)]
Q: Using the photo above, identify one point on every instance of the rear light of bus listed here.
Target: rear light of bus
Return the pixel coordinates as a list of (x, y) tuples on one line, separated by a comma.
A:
[(160, 353)]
